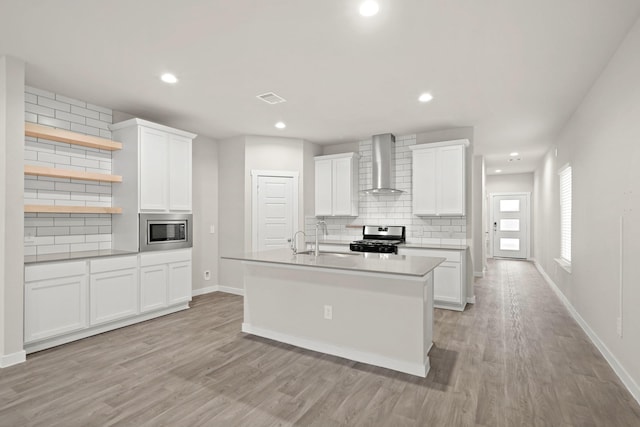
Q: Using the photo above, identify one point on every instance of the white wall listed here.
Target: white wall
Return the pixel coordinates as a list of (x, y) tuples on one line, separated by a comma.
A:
[(602, 143), (510, 183), (205, 212), (276, 154), (11, 210), (231, 200)]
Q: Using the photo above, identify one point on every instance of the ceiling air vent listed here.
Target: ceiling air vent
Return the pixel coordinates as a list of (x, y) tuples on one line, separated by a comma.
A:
[(271, 98)]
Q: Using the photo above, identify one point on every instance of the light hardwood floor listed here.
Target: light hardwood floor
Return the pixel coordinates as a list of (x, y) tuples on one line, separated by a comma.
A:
[(514, 358)]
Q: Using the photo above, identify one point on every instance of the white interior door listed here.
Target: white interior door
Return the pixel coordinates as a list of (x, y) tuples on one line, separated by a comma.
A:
[(510, 225), (276, 211)]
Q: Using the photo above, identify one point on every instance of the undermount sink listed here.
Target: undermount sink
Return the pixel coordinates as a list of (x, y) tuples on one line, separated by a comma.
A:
[(329, 253)]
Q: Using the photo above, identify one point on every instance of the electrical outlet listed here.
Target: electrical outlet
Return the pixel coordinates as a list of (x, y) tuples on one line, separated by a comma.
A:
[(328, 312), (619, 326), (207, 275)]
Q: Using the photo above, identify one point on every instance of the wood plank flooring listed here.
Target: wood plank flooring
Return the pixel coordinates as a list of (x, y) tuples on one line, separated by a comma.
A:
[(516, 358)]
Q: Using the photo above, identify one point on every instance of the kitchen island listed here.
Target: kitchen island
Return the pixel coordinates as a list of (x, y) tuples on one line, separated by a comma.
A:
[(367, 307)]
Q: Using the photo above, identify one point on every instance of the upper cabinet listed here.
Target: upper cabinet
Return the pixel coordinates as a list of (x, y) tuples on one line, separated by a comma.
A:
[(336, 179), (439, 178), (160, 159)]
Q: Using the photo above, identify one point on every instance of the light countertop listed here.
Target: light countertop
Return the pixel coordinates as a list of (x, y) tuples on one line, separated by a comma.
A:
[(402, 245), (74, 256), (359, 261)]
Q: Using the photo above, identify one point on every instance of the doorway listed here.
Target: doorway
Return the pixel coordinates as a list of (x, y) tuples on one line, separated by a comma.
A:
[(510, 225), (274, 206)]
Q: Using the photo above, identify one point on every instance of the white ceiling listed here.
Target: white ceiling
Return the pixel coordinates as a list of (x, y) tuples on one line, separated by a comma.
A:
[(514, 70)]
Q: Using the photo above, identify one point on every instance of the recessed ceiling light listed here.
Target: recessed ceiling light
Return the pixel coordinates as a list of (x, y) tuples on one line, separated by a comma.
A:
[(280, 125), (169, 78), (515, 153), (425, 97), (369, 8), (498, 170)]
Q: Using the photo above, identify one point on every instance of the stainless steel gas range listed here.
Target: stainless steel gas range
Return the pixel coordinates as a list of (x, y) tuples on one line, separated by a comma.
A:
[(380, 239)]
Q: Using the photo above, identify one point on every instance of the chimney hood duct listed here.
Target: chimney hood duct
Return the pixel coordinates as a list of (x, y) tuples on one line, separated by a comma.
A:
[(383, 159)]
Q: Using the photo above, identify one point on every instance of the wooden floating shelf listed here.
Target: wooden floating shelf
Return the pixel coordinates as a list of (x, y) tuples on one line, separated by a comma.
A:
[(66, 173), (61, 135), (71, 209)]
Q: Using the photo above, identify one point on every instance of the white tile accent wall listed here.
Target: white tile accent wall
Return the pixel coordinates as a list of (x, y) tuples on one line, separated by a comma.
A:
[(51, 233), (391, 209)]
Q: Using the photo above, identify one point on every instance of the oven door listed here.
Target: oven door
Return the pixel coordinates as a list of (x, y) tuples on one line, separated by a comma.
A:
[(164, 232)]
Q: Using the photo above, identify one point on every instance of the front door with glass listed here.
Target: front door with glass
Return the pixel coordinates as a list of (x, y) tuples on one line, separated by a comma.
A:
[(510, 225)]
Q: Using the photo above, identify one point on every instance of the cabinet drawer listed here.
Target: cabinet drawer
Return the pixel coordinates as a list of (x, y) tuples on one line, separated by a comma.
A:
[(46, 271), (164, 257), (451, 256), (113, 263)]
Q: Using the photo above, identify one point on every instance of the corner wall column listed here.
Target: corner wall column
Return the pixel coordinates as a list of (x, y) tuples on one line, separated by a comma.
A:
[(11, 211)]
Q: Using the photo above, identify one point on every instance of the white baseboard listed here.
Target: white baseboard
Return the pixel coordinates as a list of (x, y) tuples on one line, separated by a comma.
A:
[(13, 359), (417, 369), (478, 274), (202, 291), (217, 288), (230, 290), (622, 373), (471, 300)]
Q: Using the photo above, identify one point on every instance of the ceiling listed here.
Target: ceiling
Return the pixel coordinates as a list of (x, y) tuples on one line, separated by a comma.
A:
[(514, 70)]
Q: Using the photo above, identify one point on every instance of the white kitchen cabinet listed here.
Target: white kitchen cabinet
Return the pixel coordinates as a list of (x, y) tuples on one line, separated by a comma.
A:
[(336, 185), (438, 177), (154, 286), (180, 282), (449, 278), (165, 278), (113, 289), (55, 300), (156, 167)]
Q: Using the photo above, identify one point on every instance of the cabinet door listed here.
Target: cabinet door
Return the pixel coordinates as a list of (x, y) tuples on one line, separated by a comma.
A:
[(179, 282), (450, 169), (113, 295), (179, 173), (154, 176), (342, 188), (447, 283), (154, 282), (54, 307), (323, 187), (424, 182)]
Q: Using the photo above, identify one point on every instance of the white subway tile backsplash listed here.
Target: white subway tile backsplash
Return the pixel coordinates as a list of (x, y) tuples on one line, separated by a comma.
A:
[(85, 112), (39, 110), (99, 108), (89, 130), (66, 232), (52, 103), (70, 100), (40, 92), (70, 117)]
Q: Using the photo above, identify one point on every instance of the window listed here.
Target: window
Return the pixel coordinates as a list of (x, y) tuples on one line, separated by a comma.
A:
[(565, 214)]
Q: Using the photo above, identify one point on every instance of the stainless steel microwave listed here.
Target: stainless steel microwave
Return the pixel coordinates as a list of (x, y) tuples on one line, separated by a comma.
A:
[(161, 232)]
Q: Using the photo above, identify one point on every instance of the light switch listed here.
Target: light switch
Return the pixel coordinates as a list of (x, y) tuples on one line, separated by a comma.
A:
[(212, 229)]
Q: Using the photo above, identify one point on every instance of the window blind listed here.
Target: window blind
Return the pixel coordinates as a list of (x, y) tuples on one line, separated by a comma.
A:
[(565, 214)]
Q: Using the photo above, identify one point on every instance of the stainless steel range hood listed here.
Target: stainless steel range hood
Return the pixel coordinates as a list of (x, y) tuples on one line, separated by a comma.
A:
[(383, 159)]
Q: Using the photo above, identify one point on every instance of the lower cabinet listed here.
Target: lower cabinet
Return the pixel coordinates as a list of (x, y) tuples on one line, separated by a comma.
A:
[(65, 301), (165, 278), (154, 285), (113, 289), (449, 278), (55, 300)]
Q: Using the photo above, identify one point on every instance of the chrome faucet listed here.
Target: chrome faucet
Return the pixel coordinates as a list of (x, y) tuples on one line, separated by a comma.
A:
[(324, 229), (293, 243)]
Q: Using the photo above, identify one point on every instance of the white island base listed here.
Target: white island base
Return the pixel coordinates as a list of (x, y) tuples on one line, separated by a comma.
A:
[(376, 318)]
